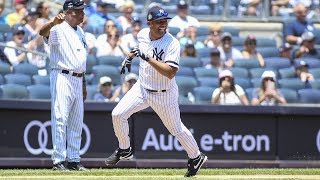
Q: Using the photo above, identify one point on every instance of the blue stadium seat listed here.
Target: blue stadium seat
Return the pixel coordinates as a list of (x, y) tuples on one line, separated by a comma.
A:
[(21, 79), (25, 68), (246, 63), (277, 62), (204, 52), (174, 30), (204, 72), (287, 73), (249, 93), (291, 83), (232, 30), (4, 68), (91, 61), (268, 51), (191, 62), (13, 91), (256, 82), (110, 60), (315, 72), (186, 84), (290, 95), (91, 91), (185, 71), (309, 96), (203, 31), (257, 72), (5, 32), (184, 100), (203, 94), (315, 84), (312, 62), (37, 79), (39, 91), (239, 72), (200, 10), (106, 70), (208, 82), (1, 79), (266, 42), (243, 82), (238, 41)]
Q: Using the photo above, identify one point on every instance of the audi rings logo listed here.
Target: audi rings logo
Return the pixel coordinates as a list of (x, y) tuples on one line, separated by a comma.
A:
[(43, 138), (318, 140)]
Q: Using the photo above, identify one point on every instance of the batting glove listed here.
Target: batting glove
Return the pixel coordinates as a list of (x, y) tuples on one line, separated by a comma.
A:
[(137, 52), (126, 63)]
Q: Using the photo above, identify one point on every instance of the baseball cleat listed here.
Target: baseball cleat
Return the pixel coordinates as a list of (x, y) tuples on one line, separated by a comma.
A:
[(118, 155), (60, 167), (76, 166), (195, 164)]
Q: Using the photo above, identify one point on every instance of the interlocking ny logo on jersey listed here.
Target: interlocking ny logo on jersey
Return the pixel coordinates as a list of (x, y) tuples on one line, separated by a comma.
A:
[(157, 55)]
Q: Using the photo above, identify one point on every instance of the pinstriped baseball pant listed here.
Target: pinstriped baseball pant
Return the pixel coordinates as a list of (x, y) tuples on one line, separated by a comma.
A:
[(165, 104), (66, 116)]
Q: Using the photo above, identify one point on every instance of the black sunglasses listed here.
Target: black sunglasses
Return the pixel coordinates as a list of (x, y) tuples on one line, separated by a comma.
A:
[(268, 79)]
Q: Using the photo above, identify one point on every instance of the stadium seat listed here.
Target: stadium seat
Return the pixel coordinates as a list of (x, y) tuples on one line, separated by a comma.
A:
[(268, 51), (238, 41), (232, 30), (246, 63), (4, 68), (184, 100), (204, 52), (44, 80), (309, 95), (91, 91), (13, 91), (110, 60), (21, 79), (91, 61), (1, 79), (191, 62), (291, 83), (290, 95), (39, 91), (287, 73), (186, 84), (239, 72), (266, 42), (315, 84), (243, 82), (208, 82), (200, 10), (204, 72), (317, 35), (203, 94), (185, 71), (315, 72), (249, 93), (5, 32), (257, 72), (277, 62), (312, 62), (174, 30), (203, 31), (25, 68), (205, 60), (105, 70)]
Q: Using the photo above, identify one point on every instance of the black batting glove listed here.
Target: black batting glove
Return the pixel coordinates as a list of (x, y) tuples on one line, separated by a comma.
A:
[(138, 53), (126, 63)]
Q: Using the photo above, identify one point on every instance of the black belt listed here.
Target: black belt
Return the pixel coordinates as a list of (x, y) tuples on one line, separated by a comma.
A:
[(150, 90), (73, 73)]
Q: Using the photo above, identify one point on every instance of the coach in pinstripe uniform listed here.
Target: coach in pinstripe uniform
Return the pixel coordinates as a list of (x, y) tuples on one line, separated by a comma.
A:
[(68, 62), (156, 87)]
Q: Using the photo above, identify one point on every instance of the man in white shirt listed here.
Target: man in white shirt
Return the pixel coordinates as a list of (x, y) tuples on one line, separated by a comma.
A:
[(129, 41)]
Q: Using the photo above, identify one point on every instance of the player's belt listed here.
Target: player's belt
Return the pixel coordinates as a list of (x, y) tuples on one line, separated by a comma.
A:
[(72, 73), (156, 91)]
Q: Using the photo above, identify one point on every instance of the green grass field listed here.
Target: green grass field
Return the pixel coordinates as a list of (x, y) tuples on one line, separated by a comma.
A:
[(161, 174)]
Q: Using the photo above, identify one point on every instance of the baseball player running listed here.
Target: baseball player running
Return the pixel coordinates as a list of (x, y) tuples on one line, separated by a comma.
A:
[(156, 87), (68, 62)]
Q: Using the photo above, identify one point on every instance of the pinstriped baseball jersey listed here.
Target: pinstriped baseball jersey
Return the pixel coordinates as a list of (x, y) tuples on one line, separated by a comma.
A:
[(67, 47), (167, 50)]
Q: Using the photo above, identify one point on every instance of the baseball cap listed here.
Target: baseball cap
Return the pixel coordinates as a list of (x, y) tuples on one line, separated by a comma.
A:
[(182, 4), (215, 51), (136, 20), (131, 76), (157, 13), (18, 30), (20, 2), (301, 63), (74, 4), (307, 36), (103, 3), (225, 73), (226, 35), (285, 47), (105, 79), (269, 74)]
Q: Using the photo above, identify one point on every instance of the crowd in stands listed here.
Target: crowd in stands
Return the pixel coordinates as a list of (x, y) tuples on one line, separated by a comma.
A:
[(216, 65)]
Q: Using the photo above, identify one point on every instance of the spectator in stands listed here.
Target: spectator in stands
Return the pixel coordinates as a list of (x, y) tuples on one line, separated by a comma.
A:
[(108, 27), (91, 8), (215, 61), (111, 46), (31, 27), (129, 41), (302, 72), (127, 8), (249, 50), (182, 20), (2, 18), (213, 39), (267, 94), (250, 7), (279, 5), (99, 18), (189, 50), (129, 80), (17, 16), (307, 47), (295, 29), (228, 93), (44, 10), (90, 38), (191, 34), (228, 53), (16, 56), (285, 51), (105, 90)]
